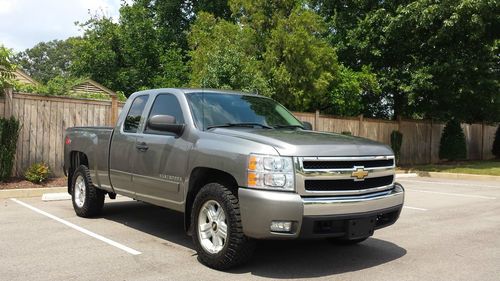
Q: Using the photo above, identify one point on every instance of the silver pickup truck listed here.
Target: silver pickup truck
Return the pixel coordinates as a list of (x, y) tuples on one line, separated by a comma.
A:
[(240, 167)]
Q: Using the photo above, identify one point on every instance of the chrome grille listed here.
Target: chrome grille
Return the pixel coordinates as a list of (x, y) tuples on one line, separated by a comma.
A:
[(343, 175)]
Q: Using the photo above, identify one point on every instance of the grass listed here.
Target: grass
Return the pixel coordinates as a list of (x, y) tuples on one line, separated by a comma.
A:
[(490, 167)]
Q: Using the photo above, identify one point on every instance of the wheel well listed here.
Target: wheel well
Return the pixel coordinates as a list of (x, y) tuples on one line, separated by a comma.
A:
[(76, 158), (199, 178)]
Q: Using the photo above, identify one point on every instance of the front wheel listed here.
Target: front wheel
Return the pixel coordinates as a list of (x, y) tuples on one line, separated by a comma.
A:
[(218, 234), (87, 199)]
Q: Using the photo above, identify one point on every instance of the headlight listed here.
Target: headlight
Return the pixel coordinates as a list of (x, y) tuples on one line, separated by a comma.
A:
[(270, 172)]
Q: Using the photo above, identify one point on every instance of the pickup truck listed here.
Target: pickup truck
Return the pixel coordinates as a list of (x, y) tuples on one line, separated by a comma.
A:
[(240, 167)]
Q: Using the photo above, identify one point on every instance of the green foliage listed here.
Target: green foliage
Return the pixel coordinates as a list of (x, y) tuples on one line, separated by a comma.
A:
[(452, 146), (9, 132), (346, 133), (7, 68), (37, 173), (222, 56), (496, 144), (396, 142), (47, 60), (433, 59)]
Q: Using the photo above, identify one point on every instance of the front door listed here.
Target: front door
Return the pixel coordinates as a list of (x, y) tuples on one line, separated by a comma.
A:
[(161, 158)]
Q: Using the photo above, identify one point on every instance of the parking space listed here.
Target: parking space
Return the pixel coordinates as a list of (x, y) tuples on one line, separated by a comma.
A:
[(448, 230)]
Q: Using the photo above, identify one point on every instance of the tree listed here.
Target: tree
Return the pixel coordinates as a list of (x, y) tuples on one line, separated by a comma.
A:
[(7, 68), (452, 145), (434, 59), (222, 57), (47, 60), (496, 144), (98, 55), (299, 63)]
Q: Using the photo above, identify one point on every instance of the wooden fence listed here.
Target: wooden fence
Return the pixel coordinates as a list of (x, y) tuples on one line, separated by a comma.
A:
[(44, 119), (420, 137)]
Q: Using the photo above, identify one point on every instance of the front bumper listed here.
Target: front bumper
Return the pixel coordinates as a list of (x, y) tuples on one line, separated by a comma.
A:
[(315, 217)]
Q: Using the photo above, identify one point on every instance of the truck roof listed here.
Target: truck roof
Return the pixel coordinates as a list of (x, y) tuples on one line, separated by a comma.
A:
[(195, 90)]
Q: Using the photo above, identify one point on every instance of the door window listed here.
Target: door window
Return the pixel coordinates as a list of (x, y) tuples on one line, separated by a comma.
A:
[(166, 104), (133, 118)]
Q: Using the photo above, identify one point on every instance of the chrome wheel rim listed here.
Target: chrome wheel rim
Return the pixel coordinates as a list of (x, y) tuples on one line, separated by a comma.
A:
[(212, 227), (79, 191)]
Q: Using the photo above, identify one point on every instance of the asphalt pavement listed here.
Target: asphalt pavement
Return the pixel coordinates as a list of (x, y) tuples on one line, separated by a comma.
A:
[(448, 230)]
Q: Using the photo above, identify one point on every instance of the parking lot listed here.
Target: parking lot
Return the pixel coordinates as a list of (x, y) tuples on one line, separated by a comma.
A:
[(448, 230)]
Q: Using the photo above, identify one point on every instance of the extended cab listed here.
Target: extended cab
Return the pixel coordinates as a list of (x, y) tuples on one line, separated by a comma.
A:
[(239, 166)]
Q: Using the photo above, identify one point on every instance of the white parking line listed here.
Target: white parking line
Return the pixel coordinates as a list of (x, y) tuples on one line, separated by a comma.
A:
[(415, 208), (451, 194), (81, 229), (451, 183)]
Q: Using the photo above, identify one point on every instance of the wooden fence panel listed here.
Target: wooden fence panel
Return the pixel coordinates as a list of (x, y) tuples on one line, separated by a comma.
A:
[(44, 121)]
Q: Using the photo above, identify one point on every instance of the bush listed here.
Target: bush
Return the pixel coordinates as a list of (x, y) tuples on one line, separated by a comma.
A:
[(37, 173), (347, 133), (452, 146), (496, 144), (9, 132), (396, 142)]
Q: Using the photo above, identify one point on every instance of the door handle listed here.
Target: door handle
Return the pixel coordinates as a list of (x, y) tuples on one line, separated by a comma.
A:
[(142, 146)]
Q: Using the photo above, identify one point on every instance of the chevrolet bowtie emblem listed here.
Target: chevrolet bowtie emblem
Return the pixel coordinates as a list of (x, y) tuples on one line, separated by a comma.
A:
[(359, 174)]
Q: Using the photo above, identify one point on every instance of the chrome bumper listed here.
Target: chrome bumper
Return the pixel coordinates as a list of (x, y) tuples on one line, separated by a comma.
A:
[(321, 206), (259, 208)]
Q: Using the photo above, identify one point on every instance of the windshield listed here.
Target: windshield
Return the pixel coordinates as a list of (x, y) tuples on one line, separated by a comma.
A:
[(219, 109)]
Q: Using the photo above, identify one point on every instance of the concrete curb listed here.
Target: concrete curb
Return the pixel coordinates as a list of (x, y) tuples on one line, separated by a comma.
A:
[(442, 175), (406, 175), (30, 192)]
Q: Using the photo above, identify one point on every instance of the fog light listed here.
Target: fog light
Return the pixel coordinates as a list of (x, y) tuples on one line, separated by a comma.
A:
[(281, 226)]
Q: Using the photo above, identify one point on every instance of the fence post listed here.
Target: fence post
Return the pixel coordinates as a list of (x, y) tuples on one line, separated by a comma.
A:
[(9, 105), (114, 110), (430, 143), (360, 125), (482, 141), (316, 120)]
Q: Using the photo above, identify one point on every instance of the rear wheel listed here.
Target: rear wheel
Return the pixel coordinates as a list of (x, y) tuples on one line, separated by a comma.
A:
[(87, 199), (218, 233)]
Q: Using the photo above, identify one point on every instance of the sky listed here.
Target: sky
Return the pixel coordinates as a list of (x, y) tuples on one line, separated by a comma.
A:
[(24, 23)]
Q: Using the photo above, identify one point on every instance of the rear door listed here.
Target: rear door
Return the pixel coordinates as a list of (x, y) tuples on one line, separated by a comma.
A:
[(123, 147), (162, 160)]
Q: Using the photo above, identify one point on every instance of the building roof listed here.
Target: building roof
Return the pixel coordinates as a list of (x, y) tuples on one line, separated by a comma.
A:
[(91, 86), (23, 77)]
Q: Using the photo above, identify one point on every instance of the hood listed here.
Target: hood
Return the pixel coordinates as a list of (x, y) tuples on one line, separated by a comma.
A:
[(309, 143)]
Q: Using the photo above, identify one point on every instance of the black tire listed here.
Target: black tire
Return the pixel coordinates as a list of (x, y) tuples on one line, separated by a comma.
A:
[(237, 248), (347, 242), (93, 198)]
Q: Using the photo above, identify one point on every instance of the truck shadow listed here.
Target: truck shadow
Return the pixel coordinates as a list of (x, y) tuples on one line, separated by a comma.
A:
[(272, 259)]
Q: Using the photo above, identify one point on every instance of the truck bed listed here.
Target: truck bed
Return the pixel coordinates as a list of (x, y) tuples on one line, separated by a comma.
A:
[(93, 142)]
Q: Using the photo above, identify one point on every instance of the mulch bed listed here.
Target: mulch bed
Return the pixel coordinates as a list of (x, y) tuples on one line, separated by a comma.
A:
[(14, 183)]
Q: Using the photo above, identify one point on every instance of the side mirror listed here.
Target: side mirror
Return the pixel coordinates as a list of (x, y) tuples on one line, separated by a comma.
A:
[(165, 123), (307, 126)]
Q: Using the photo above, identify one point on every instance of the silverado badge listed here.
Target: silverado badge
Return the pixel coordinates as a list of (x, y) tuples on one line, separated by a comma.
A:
[(359, 174)]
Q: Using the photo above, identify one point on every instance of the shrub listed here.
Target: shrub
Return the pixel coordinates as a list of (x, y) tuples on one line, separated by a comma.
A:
[(452, 146), (347, 133), (396, 142), (37, 173), (9, 132), (496, 144)]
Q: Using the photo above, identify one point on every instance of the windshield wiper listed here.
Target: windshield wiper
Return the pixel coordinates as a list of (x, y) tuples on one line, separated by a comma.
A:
[(288, 126), (246, 124)]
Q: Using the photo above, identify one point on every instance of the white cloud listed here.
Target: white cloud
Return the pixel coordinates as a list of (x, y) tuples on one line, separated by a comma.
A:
[(27, 22)]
